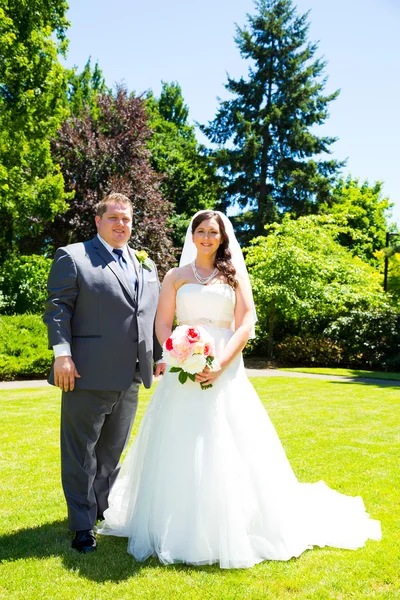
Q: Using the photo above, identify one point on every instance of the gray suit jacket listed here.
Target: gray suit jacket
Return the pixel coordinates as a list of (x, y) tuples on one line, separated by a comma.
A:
[(93, 307)]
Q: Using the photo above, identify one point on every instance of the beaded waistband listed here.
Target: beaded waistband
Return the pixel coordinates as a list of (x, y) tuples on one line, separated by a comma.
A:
[(205, 322)]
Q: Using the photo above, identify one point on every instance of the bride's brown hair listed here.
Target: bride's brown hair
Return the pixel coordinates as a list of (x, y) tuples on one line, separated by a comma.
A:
[(223, 258)]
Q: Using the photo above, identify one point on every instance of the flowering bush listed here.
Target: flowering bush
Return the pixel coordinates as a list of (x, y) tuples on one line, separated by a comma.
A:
[(188, 351)]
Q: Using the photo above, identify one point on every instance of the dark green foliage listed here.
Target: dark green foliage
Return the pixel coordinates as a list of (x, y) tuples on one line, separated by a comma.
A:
[(23, 282), (309, 351), (189, 179), (271, 159), (368, 338), (390, 257), (23, 348), (361, 339)]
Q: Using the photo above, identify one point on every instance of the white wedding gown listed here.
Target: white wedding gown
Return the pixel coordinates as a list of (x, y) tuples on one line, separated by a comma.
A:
[(207, 481)]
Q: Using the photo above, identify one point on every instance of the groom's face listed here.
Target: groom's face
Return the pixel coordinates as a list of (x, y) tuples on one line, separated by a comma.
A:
[(115, 225)]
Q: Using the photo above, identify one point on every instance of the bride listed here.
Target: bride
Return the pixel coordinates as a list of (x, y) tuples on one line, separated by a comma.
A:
[(206, 480)]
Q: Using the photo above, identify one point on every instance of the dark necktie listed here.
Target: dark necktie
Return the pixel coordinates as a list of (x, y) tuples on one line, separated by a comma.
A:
[(127, 269)]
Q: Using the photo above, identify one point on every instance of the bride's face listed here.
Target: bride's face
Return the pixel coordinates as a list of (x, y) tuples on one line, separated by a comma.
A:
[(207, 237)]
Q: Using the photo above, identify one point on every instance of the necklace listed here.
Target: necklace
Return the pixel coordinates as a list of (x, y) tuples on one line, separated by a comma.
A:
[(200, 279)]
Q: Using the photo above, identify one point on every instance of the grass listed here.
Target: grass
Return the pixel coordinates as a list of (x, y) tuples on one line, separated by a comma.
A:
[(344, 433), (345, 372)]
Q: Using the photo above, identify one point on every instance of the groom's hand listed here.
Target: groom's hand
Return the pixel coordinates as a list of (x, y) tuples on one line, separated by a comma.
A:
[(160, 369), (65, 373)]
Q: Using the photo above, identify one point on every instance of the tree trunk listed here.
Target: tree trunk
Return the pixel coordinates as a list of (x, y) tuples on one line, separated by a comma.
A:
[(271, 323), (264, 202), (265, 208)]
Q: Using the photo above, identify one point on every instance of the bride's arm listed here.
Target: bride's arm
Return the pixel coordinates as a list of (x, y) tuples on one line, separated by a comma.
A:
[(166, 307), (243, 326)]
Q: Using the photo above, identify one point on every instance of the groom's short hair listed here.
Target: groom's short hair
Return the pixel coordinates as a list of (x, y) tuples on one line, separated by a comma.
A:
[(113, 198)]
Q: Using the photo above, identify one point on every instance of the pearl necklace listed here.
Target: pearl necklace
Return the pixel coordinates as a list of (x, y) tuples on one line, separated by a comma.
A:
[(200, 279)]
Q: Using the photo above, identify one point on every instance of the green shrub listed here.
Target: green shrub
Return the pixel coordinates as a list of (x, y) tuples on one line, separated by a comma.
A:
[(303, 280), (23, 284), (23, 348), (362, 339), (368, 338), (309, 351)]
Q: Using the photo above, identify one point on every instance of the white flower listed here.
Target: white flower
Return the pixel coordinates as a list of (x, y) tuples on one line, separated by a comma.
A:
[(198, 347), (170, 360), (216, 366), (194, 364)]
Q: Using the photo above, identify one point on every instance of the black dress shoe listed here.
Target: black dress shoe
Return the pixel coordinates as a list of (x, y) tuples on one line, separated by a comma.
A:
[(84, 541)]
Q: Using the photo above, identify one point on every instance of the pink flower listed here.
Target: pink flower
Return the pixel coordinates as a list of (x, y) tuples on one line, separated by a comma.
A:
[(193, 335), (207, 350), (181, 353), (169, 344)]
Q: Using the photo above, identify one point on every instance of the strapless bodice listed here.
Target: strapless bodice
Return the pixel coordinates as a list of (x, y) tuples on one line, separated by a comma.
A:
[(205, 304)]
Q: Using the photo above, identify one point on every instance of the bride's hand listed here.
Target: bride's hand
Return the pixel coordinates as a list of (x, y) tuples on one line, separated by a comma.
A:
[(207, 376)]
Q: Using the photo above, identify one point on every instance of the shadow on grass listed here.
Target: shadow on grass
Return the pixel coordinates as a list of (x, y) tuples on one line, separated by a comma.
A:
[(380, 383), (110, 562)]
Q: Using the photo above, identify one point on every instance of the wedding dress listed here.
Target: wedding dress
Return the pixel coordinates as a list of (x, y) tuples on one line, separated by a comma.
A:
[(206, 480)]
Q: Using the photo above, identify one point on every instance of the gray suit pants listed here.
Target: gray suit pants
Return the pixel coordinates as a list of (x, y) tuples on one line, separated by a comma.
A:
[(95, 429)]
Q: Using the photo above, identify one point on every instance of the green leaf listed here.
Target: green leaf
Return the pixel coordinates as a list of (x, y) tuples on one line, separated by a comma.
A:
[(205, 386), (183, 376), (175, 369)]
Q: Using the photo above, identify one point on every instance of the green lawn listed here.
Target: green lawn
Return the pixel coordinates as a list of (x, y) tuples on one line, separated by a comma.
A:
[(345, 372), (344, 433)]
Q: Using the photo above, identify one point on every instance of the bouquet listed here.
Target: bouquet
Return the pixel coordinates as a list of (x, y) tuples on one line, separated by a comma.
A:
[(188, 350)]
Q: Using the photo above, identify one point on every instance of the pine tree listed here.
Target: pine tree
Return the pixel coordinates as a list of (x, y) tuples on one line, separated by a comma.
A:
[(189, 179), (269, 154)]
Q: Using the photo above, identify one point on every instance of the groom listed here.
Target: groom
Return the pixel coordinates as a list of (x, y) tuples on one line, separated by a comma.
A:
[(100, 315)]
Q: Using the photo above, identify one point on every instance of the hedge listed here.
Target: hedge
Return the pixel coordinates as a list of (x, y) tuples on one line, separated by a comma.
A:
[(23, 348)]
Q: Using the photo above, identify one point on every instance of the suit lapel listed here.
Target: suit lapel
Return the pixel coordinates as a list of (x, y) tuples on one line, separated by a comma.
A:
[(112, 264)]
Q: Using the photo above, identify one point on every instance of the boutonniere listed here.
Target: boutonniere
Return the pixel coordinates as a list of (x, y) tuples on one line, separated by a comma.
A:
[(143, 258)]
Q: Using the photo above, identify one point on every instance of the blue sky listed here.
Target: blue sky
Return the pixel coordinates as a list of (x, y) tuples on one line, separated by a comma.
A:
[(141, 44)]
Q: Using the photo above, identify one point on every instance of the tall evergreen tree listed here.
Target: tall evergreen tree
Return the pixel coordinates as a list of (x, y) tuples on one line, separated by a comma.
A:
[(189, 179), (268, 151)]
